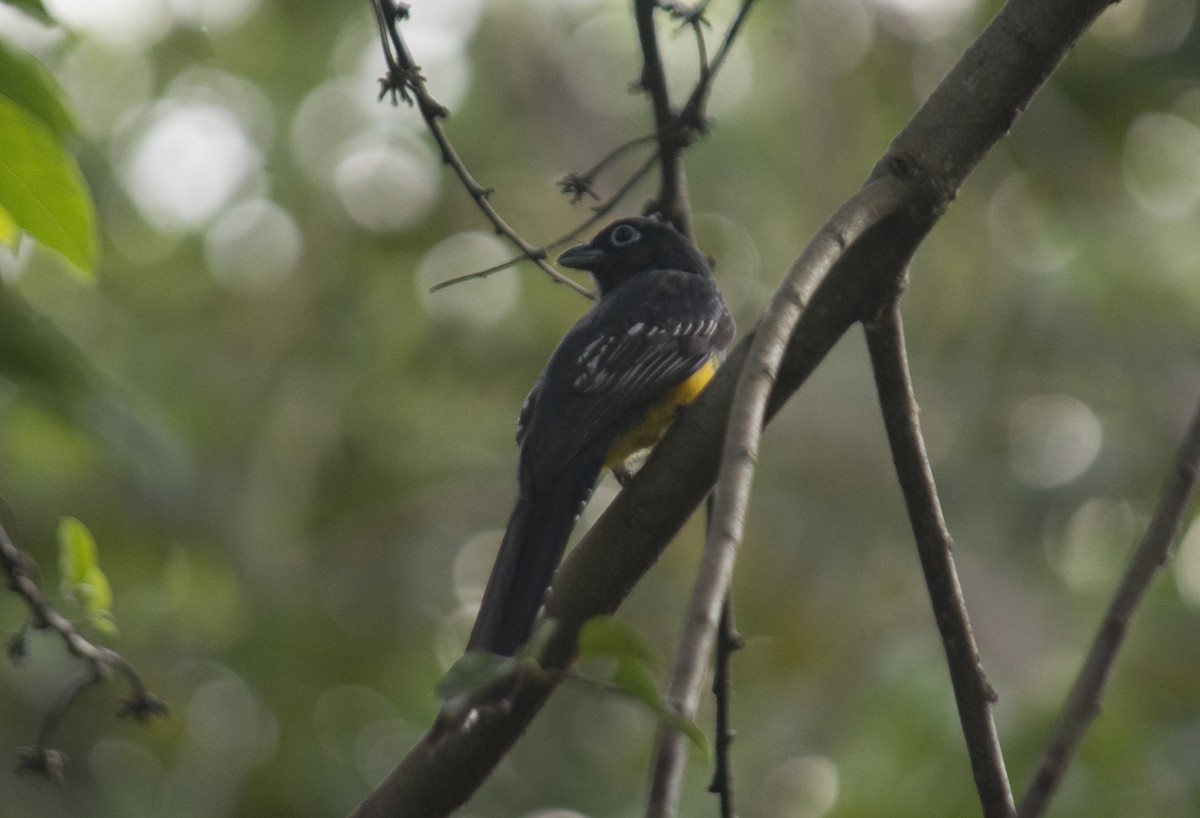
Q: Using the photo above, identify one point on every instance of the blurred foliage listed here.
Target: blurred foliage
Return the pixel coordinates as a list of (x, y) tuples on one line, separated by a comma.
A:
[(81, 577), (41, 190), (297, 460)]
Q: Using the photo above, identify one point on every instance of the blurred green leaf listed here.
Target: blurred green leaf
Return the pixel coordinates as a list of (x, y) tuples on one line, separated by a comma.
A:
[(37, 357), (30, 85), (607, 637), (77, 552), (634, 678), (33, 8), (81, 575), (473, 673), (42, 189), (8, 230)]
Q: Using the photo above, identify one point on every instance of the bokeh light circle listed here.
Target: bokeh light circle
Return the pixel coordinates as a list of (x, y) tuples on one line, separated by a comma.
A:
[(253, 246)]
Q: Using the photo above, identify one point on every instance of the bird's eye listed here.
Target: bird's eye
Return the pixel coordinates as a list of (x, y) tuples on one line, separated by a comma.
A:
[(624, 234)]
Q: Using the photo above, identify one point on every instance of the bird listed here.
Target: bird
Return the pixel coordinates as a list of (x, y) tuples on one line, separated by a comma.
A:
[(616, 380)]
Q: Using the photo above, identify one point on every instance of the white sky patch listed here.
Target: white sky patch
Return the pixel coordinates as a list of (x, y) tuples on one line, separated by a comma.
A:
[(457, 17), (186, 163), (440, 52), (139, 23), (212, 15), (130, 23), (386, 188), (105, 83), (926, 19)]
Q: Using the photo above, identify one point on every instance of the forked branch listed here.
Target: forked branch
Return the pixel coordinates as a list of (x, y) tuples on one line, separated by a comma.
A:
[(404, 82), (99, 662), (969, 112), (872, 205)]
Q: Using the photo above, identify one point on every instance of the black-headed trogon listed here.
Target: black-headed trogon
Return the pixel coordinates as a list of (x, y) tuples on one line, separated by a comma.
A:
[(611, 387)]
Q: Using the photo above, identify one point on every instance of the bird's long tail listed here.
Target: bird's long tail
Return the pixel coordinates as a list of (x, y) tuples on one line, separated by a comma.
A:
[(532, 546)]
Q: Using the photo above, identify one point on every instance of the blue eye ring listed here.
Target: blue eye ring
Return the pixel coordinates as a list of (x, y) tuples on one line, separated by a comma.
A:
[(624, 234)]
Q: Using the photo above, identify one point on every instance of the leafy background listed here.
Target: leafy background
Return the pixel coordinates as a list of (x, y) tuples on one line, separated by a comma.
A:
[(295, 460)]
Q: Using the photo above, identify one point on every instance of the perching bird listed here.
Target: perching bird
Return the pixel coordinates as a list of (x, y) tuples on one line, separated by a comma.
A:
[(611, 387)]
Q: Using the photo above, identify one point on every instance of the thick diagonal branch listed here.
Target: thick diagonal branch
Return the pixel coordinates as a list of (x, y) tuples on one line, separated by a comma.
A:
[(970, 111), (870, 207)]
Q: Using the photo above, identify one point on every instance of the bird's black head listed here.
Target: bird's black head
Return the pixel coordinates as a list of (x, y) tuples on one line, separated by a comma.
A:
[(631, 246)]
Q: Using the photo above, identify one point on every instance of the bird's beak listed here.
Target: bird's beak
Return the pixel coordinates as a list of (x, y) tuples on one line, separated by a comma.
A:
[(581, 257)]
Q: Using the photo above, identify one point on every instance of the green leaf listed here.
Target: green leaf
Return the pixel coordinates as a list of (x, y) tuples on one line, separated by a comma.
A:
[(42, 189), (8, 230), (30, 85), (606, 637), (473, 673), (33, 8), (633, 677), (81, 576), (77, 553)]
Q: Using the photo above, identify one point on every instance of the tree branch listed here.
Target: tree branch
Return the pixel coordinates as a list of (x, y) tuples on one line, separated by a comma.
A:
[(404, 80), (672, 199), (972, 693), (728, 641), (1083, 702), (675, 131), (969, 112), (876, 202), (17, 568)]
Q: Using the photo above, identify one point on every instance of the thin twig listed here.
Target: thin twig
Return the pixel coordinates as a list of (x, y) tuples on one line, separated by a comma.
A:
[(875, 202), (728, 641), (692, 114), (1083, 702), (971, 110), (687, 15), (972, 693), (598, 213), (676, 130), (404, 79), (100, 661), (579, 184), (672, 198), (409, 84)]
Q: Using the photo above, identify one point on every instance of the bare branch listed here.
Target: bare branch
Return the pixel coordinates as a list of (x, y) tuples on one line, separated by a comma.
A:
[(598, 213), (693, 114), (100, 661), (579, 184), (969, 112), (728, 641), (873, 204), (972, 693), (676, 130), (1083, 702), (672, 199), (404, 78)]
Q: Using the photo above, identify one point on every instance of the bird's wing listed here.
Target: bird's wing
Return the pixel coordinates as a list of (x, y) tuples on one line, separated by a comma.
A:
[(632, 351)]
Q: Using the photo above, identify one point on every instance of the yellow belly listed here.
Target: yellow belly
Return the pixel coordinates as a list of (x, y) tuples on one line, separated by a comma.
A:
[(659, 416)]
